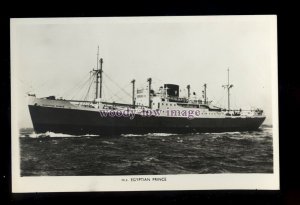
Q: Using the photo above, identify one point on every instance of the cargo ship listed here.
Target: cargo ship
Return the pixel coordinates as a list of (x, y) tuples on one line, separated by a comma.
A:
[(151, 111)]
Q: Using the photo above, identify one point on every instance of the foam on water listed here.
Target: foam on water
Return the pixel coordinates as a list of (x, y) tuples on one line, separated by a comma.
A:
[(53, 134), (131, 135), (107, 142), (222, 133), (160, 134), (149, 134)]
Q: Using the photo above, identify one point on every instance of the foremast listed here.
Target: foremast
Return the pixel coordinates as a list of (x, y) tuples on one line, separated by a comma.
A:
[(98, 73)]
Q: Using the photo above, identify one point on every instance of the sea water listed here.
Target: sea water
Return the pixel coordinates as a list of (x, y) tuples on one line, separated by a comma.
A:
[(55, 154)]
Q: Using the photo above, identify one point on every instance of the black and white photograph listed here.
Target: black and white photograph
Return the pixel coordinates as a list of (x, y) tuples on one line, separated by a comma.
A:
[(144, 103)]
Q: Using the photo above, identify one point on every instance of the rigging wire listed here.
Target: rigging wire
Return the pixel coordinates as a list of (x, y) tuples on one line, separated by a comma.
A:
[(75, 88), (112, 97), (234, 101), (117, 84), (82, 86), (32, 88), (28, 87), (218, 102), (88, 91), (117, 93)]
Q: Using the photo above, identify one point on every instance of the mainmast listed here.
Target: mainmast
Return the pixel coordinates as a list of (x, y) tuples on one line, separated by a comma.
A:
[(228, 87)]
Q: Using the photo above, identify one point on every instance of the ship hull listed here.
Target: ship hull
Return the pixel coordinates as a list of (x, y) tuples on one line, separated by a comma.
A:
[(80, 122)]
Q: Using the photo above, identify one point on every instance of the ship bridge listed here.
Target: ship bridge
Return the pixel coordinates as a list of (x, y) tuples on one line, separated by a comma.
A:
[(169, 96)]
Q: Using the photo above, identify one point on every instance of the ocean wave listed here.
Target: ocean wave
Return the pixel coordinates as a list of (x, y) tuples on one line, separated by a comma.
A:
[(160, 134), (131, 135), (148, 135), (107, 142), (150, 159), (222, 133), (248, 137), (53, 134)]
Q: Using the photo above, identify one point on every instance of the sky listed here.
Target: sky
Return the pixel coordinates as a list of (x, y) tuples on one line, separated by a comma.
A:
[(54, 56)]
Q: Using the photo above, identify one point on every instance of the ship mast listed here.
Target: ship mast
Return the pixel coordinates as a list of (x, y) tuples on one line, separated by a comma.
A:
[(98, 72), (133, 89), (100, 76), (228, 87), (149, 81), (189, 93), (204, 93)]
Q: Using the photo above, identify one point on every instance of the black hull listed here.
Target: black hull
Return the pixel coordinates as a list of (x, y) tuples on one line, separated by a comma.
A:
[(80, 122)]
